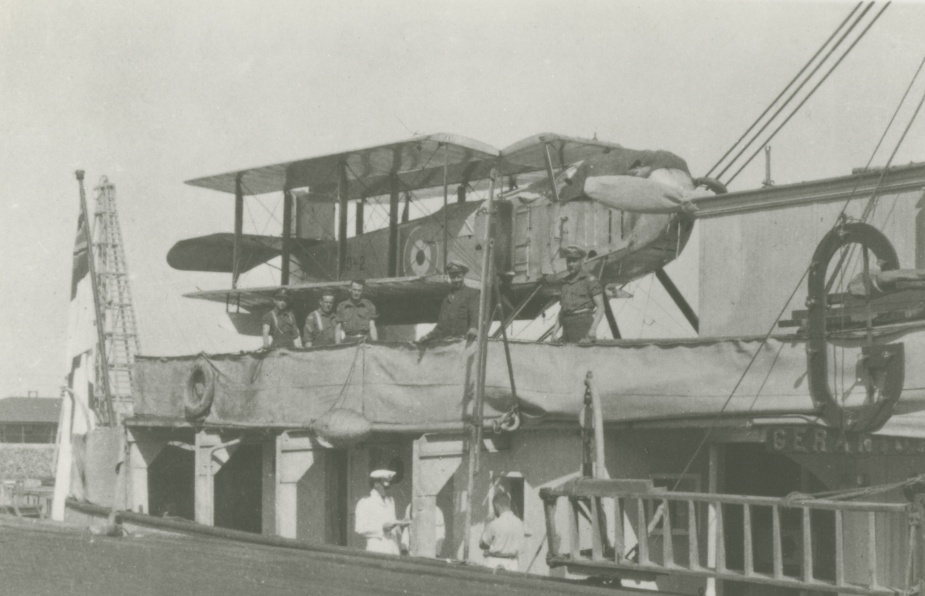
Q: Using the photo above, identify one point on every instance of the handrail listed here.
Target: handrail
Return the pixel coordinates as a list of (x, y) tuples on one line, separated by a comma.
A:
[(716, 498), (777, 550)]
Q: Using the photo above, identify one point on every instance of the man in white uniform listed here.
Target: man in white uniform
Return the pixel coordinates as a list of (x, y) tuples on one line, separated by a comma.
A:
[(375, 516), (503, 536)]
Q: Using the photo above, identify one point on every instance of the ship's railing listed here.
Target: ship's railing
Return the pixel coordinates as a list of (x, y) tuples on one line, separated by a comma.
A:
[(809, 544)]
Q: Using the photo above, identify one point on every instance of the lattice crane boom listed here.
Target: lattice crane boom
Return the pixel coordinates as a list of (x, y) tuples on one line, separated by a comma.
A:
[(119, 322)]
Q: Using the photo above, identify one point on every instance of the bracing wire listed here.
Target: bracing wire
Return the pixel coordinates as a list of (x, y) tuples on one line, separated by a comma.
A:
[(296, 241), (250, 214)]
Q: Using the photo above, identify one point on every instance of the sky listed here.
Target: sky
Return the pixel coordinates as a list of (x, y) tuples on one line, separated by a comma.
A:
[(151, 94)]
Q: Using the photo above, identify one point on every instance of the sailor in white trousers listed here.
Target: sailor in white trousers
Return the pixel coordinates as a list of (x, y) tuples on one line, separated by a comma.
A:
[(375, 516)]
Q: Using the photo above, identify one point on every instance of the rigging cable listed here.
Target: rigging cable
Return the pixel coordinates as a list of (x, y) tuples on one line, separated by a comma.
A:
[(781, 94), (800, 87), (873, 197), (868, 210), (811, 92)]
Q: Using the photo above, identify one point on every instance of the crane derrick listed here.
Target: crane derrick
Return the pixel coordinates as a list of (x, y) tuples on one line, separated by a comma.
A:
[(116, 307)]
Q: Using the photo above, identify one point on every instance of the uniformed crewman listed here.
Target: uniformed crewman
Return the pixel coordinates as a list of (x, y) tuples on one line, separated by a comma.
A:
[(279, 324), (320, 323), (581, 302), (356, 316), (374, 517), (459, 311)]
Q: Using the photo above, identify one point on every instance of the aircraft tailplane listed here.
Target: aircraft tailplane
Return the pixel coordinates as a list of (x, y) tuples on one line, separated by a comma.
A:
[(215, 252)]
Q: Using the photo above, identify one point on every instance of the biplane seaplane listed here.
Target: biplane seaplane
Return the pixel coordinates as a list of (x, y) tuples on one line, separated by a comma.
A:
[(630, 210)]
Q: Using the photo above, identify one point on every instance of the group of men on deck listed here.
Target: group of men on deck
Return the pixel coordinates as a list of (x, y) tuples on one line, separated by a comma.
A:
[(354, 320)]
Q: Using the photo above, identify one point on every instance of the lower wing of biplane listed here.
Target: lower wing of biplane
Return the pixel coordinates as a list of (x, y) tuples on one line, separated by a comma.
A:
[(399, 300)]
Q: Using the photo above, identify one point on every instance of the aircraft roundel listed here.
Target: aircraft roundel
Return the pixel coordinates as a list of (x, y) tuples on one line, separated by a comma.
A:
[(421, 257)]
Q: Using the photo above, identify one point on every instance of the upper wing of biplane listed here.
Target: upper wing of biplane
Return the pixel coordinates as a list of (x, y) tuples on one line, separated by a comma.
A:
[(416, 163), (531, 153)]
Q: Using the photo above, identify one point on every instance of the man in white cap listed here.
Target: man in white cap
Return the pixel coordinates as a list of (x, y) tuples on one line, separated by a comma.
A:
[(375, 516)]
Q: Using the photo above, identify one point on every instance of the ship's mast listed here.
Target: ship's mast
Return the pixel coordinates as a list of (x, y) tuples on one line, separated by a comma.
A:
[(115, 302)]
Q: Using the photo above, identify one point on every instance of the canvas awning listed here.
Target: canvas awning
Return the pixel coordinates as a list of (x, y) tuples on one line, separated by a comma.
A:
[(402, 384)]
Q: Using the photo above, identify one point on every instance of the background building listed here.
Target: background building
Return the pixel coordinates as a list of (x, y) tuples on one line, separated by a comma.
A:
[(27, 437)]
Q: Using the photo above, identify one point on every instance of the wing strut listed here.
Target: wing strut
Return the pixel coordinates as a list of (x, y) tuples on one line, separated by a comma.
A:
[(287, 236), (678, 298), (341, 218), (550, 172), (393, 225), (446, 197), (238, 231)]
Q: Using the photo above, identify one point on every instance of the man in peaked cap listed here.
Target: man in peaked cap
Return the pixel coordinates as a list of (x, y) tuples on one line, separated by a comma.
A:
[(375, 516), (459, 311), (581, 301), (279, 324)]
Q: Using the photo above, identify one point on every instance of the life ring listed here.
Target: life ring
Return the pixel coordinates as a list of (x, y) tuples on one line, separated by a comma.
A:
[(200, 390), (887, 362), (421, 257)]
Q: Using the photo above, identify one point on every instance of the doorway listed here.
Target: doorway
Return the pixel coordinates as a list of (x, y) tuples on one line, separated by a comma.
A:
[(238, 490), (751, 470), (171, 490)]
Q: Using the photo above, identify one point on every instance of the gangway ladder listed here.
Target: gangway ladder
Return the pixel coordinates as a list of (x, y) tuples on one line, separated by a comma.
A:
[(670, 530), (116, 305)]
